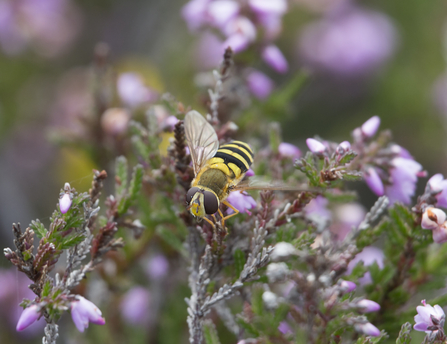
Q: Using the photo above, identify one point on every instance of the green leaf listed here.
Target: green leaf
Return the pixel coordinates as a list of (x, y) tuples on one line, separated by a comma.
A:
[(251, 330), (46, 289), (143, 151), (280, 314), (239, 261), (352, 176), (257, 304), (347, 158), (121, 182), (210, 333), (134, 189), (71, 241), (38, 228), (404, 334)]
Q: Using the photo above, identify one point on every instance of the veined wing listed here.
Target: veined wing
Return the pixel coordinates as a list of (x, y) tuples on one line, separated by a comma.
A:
[(201, 138), (260, 183)]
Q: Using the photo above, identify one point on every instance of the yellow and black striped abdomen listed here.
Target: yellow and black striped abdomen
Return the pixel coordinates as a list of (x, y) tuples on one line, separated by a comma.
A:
[(234, 158)]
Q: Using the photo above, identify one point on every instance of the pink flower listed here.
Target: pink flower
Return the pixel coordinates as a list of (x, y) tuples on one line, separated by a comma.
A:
[(404, 175), (345, 146), (194, 13), (315, 146), (347, 286), (259, 84), (220, 12), (439, 184), (158, 267), (432, 218), (65, 203), (275, 59), (368, 306), (84, 311), (369, 256), (368, 329), (370, 127), (28, 317), (426, 315), (373, 180), (132, 90), (288, 150), (241, 201), (135, 306)]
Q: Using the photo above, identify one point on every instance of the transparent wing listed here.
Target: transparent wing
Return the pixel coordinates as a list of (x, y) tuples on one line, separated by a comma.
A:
[(201, 138), (260, 183)]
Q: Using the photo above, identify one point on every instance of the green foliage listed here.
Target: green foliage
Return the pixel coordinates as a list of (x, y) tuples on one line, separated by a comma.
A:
[(121, 178), (210, 333), (131, 194), (170, 238), (307, 166), (404, 334), (239, 262), (38, 228)]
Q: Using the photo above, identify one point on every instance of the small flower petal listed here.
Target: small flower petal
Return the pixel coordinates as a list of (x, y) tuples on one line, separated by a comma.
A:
[(373, 181), (259, 84), (368, 306), (28, 317), (348, 286), (432, 218), (65, 203), (288, 150), (275, 58), (315, 146), (368, 329), (369, 128)]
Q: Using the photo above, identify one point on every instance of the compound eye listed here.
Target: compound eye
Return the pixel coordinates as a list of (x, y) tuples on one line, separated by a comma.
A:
[(191, 192), (210, 202)]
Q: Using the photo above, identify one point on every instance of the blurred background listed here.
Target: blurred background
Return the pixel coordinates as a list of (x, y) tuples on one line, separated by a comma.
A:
[(360, 59)]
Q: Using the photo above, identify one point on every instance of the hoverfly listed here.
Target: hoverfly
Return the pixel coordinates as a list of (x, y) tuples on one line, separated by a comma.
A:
[(217, 170)]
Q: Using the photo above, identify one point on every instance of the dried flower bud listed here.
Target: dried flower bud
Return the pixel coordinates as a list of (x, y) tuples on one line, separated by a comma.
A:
[(270, 299), (432, 218), (283, 250)]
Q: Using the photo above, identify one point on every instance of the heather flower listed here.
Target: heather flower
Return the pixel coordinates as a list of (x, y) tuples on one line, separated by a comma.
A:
[(194, 13), (440, 234), (344, 147), (288, 150), (315, 146), (438, 185), (429, 318), (433, 218), (404, 174), (347, 286), (157, 267), (370, 127), (220, 12), (250, 173), (351, 41), (373, 181), (241, 201), (368, 329), (275, 59), (269, 15), (28, 317), (65, 203), (135, 306), (208, 51), (284, 327), (346, 217), (368, 306), (316, 211), (259, 84), (132, 91), (84, 311)]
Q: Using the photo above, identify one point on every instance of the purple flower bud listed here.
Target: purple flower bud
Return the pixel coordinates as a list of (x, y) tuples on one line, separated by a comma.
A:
[(373, 180), (369, 128), (433, 218), (345, 146), (241, 25), (237, 42), (404, 176), (439, 184), (28, 317), (424, 317), (347, 286), (289, 151), (220, 12), (208, 52), (275, 59), (84, 311), (368, 329), (194, 13), (440, 234), (242, 202), (259, 84), (369, 256), (65, 203), (250, 173), (158, 267), (284, 327), (135, 306), (278, 7), (368, 306), (315, 146)]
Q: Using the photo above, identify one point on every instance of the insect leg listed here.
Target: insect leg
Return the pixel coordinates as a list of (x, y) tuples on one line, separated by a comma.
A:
[(209, 221), (228, 216)]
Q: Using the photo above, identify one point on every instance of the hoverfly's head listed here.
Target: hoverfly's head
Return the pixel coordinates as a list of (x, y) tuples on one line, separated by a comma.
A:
[(202, 202)]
